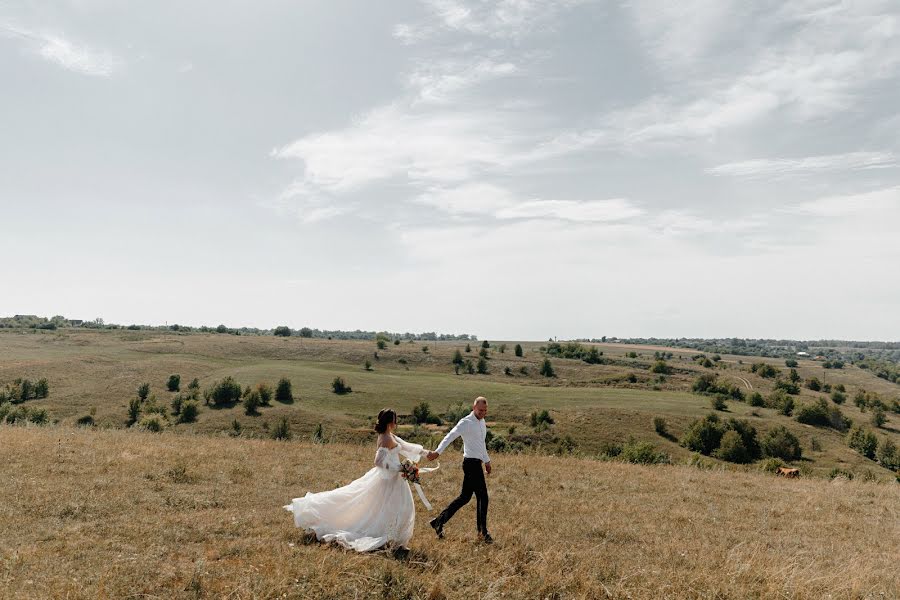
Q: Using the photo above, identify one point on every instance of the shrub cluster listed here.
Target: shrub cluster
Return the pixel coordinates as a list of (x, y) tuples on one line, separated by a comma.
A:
[(21, 390), (422, 414), (821, 414), (765, 370), (708, 437), (573, 350), (20, 415), (708, 383)]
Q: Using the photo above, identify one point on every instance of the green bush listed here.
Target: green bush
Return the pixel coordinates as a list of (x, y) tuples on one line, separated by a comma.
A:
[(485, 344), (756, 399), (732, 448), (470, 367), (177, 404), (789, 387), (708, 383), (143, 391), (282, 430), (223, 392), (838, 397), (878, 416), (659, 425), (282, 331), (704, 435), (189, 412), (502, 348), (541, 417), (85, 421), (547, 368), (781, 402), (790, 363), (660, 366), (265, 393), (781, 443), (41, 389), (251, 403), (174, 383), (283, 391), (814, 384), (457, 358), (523, 370), (151, 423), (483, 353), (771, 465), (594, 356), (821, 414), (518, 350), (863, 441), (134, 411), (836, 472), (381, 344), (765, 370), (888, 455), (468, 348), (482, 366), (339, 386), (422, 414), (194, 384), (642, 453), (717, 402), (456, 412)]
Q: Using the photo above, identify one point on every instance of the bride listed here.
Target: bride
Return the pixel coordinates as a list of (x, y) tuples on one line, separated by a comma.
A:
[(376, 509)]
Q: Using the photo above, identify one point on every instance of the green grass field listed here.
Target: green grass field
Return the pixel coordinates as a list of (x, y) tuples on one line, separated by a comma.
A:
[(99, 371)]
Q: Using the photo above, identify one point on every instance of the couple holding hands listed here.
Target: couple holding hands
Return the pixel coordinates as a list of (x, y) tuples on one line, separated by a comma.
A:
[(377, 509)]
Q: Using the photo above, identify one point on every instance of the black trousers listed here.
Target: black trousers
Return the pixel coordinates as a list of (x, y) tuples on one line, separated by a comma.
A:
[(473, 483)]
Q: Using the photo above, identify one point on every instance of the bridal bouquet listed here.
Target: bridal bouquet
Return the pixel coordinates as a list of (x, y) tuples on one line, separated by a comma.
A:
[(409, 471)]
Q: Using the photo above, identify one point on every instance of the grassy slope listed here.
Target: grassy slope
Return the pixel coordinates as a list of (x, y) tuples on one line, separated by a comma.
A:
[(115, 514), (102, 369)]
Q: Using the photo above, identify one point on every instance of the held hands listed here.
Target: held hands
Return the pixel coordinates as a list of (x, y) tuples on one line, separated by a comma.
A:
[(487, 467), (432, 455)]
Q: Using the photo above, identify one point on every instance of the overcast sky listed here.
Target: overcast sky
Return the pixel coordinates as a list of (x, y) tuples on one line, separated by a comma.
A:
[(515, 169)]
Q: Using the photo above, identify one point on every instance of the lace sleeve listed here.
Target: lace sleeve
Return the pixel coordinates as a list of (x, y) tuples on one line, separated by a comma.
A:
[(381, 460), (413, 452)]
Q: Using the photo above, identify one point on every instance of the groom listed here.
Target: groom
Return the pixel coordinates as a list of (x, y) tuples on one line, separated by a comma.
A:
[(473, 431)]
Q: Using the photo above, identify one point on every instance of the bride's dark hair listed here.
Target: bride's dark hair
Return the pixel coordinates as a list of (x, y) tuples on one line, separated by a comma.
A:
[(385, 417)]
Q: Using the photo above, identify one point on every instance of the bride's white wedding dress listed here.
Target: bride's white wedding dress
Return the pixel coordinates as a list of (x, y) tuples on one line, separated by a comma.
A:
[(369, 512)]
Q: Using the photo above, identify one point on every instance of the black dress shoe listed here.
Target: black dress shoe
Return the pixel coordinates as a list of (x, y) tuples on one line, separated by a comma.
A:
[(486, 538), (437, 526)]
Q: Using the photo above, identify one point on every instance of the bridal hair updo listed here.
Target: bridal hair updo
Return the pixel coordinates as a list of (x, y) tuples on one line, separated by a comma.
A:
[(385, 418)]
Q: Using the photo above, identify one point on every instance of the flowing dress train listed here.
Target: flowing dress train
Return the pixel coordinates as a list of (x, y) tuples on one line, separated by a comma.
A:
[(367, 513)]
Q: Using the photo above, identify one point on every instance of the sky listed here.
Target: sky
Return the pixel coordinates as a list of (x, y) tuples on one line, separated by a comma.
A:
[(513, 169)]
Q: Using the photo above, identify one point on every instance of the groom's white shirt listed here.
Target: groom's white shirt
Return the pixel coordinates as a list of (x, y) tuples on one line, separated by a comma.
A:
[(473, 431)]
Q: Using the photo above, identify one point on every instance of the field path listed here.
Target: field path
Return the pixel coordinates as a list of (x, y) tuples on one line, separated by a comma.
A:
[(745, 382)]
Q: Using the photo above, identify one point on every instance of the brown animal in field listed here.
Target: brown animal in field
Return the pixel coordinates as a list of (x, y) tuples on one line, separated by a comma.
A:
[(789, 473)]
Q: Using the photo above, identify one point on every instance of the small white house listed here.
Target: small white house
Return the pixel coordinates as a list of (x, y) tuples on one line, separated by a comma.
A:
[(803, 354)]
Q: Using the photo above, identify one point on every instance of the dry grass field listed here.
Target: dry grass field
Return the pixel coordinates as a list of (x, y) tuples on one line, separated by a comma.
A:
[(127, 514), (99, 372)]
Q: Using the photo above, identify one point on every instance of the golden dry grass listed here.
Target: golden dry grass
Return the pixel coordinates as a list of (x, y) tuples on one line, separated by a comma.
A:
[(124, 514)]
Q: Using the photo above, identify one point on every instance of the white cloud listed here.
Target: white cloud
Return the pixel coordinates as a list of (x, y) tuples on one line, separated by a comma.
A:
[(779, 167), (878, 204), (69, 55), (504, 19), (440, 82), (616, 209)]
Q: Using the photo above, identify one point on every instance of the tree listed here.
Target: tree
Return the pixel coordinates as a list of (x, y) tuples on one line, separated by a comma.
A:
[(863, 441), (781, 443), (189, 412), (468, 348), (878, 418), (485, 344), (790, 363), (251, 403), (518, 350), (593, 356), (306, 332), (547, 369), (223, 392), (41, 388), (283, 392), (221, 329), (794, 376), (265, 393), (282, 430), (483, 353), (814, 384), (482, 366), (174, 383), (732, 449), (283, 331), (134, 411), (457, 358), (381, 344), (143, 391), (888, 455), (368, 365), (659, 366), (470, 368), (704, 435), (339, 386)]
